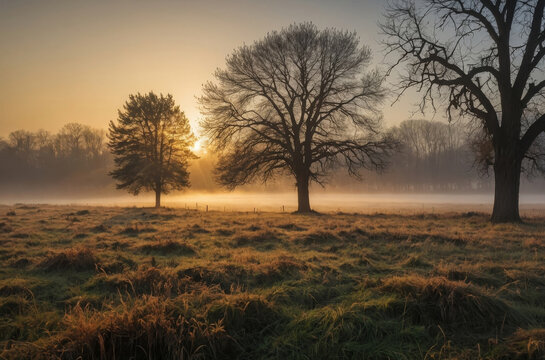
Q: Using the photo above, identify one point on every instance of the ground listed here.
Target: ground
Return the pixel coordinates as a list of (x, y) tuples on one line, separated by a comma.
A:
[(112, 282)]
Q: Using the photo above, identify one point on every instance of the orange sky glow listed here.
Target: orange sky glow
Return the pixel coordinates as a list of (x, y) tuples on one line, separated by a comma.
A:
[(77, 61)]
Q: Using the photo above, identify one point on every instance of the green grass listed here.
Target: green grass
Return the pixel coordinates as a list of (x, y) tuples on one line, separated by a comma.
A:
[(133, 283)]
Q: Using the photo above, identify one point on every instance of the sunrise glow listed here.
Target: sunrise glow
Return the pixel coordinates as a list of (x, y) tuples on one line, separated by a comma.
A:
[(197, 147), (288, 179)]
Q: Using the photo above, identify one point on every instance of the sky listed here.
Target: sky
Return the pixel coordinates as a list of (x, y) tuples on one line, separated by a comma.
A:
[(77, 61)]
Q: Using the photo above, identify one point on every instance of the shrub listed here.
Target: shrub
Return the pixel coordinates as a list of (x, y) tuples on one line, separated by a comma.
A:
[(4, 228)]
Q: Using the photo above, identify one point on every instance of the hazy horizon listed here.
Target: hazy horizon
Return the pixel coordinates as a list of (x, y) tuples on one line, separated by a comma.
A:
[(240, 200)]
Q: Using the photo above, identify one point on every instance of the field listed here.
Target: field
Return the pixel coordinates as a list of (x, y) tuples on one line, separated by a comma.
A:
[(140, 283)]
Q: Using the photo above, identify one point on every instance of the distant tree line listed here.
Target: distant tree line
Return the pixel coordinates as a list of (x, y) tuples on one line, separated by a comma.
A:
[(433, 156), (76, 157), (436, 156)]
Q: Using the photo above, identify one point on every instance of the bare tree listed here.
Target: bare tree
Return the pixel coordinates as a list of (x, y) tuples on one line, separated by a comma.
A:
[(151, 144), (70, 139), (22, 141), (484, 59), (77, 141), (3, 144), (299, 102), (433, 154), (93, 142)]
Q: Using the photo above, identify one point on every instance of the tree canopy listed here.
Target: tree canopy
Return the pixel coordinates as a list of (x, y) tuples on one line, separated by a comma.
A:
[(151, 144), (297, 101)]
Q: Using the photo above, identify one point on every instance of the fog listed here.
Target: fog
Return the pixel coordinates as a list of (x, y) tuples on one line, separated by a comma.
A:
[(287, 201), (434, 171)]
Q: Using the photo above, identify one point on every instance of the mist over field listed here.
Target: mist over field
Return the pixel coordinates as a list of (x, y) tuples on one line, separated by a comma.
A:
[(73, 166), (269, 201), (393, 190), (373, 192)]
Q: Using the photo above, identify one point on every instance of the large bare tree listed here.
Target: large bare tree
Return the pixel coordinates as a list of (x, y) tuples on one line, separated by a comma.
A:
[(297, 101), (484, 58)]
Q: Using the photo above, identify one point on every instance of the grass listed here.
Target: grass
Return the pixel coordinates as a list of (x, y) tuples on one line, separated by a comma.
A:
[(132, 283), (69, 260)]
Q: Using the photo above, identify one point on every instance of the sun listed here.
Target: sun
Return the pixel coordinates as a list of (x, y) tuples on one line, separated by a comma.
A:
[(197, 146)]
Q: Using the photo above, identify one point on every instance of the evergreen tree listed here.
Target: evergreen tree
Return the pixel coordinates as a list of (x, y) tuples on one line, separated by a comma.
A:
[(151, 144)]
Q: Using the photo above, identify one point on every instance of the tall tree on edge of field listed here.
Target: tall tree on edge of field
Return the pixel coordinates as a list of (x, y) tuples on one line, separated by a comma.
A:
[(297, 101), (151, 145), (484, 59)]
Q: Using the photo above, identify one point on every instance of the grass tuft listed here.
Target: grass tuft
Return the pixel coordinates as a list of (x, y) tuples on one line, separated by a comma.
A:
[(146, 328), (260, 238), (79, 259), (291, 227), (318, 238), (346, 332), (168, 247), (135, 230), (432, 301), (248, 318), (526, 344)]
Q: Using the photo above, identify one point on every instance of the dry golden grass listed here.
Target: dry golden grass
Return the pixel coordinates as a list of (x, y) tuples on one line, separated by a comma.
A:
[(137, 283)]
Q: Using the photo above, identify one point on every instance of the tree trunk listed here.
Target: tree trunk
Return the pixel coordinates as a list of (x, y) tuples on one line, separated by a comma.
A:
[(158, 198), (507, 169), (303, 201)]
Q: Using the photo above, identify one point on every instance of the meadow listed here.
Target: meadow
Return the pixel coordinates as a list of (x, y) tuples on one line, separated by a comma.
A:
[(140, 283)]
